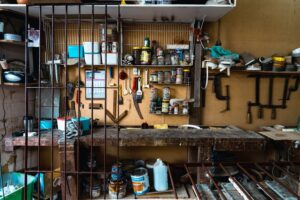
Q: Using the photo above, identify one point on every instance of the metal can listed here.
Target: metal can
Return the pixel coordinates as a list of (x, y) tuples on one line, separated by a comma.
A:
[(153, 94), (173, 75), (153, 106), (146, 56), (179, 71), (114, 48), (178, 79), (167, 77), (117, 189), (176, 109), (186, 76), (140, 181), (136, 53), (153, 77), (166, 93), (160, 77), (165, 106)]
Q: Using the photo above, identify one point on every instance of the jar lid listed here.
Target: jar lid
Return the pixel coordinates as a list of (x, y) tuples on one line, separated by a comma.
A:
[(136, 48), (146, 48), (186, 70), (278, 58)]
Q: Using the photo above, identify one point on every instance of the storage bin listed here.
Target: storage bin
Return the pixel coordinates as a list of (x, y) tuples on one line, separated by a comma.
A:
[(112, 58), (73, 51), (17, 179), (87, 46), (88, 59), (84, 121)]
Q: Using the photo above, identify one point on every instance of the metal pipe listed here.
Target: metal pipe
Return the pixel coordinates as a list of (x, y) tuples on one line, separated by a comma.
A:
[(276, 179), (105, 103), (52, 94), (66, 102), (172, 182), (198, 195)]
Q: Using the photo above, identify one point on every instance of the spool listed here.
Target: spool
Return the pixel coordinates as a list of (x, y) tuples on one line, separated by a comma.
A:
[(140, 181)]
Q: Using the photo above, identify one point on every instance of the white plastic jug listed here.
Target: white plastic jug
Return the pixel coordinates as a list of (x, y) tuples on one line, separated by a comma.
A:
[(160, 172)]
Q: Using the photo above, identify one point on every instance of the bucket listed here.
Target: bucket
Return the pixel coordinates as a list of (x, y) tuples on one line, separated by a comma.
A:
[(84, 121), (61, 123), (140, 181)]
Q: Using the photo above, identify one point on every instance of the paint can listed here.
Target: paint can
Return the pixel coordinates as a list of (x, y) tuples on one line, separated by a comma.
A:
[(165, 106), (117, 189), (166, 93), (140, 181)]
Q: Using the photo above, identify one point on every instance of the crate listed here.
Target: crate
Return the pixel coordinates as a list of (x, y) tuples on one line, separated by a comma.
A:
[(18, 179)]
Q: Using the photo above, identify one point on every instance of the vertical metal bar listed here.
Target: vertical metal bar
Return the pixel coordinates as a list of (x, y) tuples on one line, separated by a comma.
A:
[(105, 103), (243, 190), (26, 102), (172, 182), (198, 195), (276, 179), (221, 194), (256, 182), (92, 114), (79, 100), (52, 95), (39, 103), (66, 102)]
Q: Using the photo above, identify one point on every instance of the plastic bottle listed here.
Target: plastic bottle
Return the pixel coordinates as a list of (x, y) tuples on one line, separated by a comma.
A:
[(160, 176)]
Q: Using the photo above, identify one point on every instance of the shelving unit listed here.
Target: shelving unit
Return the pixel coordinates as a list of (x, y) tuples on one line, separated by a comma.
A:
[(10, 42), (156, 66)]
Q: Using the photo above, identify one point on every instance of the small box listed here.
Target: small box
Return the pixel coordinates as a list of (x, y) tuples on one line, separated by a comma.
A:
[(73, 51), (88, 58), (112, 58)]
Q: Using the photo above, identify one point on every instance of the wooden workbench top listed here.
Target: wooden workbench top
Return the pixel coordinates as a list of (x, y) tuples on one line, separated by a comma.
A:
[(217, 138)]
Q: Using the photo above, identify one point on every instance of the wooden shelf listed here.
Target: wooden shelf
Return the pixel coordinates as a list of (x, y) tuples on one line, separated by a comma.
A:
[(166, 114), (18, 84), (182, 13), (11, 42), (157, 66), (170, 84), (252, 72)]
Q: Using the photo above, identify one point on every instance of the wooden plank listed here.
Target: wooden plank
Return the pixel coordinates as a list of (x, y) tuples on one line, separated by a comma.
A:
[(281, 136)]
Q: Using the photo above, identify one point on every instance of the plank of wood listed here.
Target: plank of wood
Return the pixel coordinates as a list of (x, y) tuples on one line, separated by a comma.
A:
[(281, 136)]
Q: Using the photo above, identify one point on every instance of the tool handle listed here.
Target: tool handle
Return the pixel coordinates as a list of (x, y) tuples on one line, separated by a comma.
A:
[(139, 84), (111, 72), (134, 84)]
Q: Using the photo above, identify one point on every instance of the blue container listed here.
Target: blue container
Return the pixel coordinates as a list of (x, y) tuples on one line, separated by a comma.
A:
[(73, 51), (45, 124), (84, 121), (160, 171)]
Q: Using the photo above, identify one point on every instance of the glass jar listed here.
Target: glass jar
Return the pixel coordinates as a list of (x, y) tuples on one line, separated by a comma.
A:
[(136, 53), (146, 56), (160, 77), (166, 93), (186, 76), (165, 106)]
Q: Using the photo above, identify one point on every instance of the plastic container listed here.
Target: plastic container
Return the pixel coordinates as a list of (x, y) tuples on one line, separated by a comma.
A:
[(140, 181), (45, 124), (88, 57), (61, 122), (88, 47), (17, 179), (84, 121), (112, 58), (160, 172), (73, 51)]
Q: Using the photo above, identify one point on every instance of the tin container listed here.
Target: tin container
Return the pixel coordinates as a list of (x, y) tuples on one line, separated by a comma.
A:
[(167, 77), (117, 189), (153, 94), (140, 181), (146, 56), (166, 93), (136, 52), (165, 106), (160, 77), (278, 63), (153, 77), (178, 79), (186, 76)]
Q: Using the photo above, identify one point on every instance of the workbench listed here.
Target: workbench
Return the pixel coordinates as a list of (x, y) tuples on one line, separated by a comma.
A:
[(205, 141)]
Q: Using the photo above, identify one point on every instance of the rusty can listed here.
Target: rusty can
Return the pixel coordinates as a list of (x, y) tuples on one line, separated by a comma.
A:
[(165, 106), (117, 189), (166, 93)]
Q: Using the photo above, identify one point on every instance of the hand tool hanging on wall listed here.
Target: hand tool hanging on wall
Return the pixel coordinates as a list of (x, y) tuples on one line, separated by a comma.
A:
[(111, 76), (113, 116), (270, 104), (120, 100), (218, 91), (146, 79), (139, 93), (134, 98), (294, 88)]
